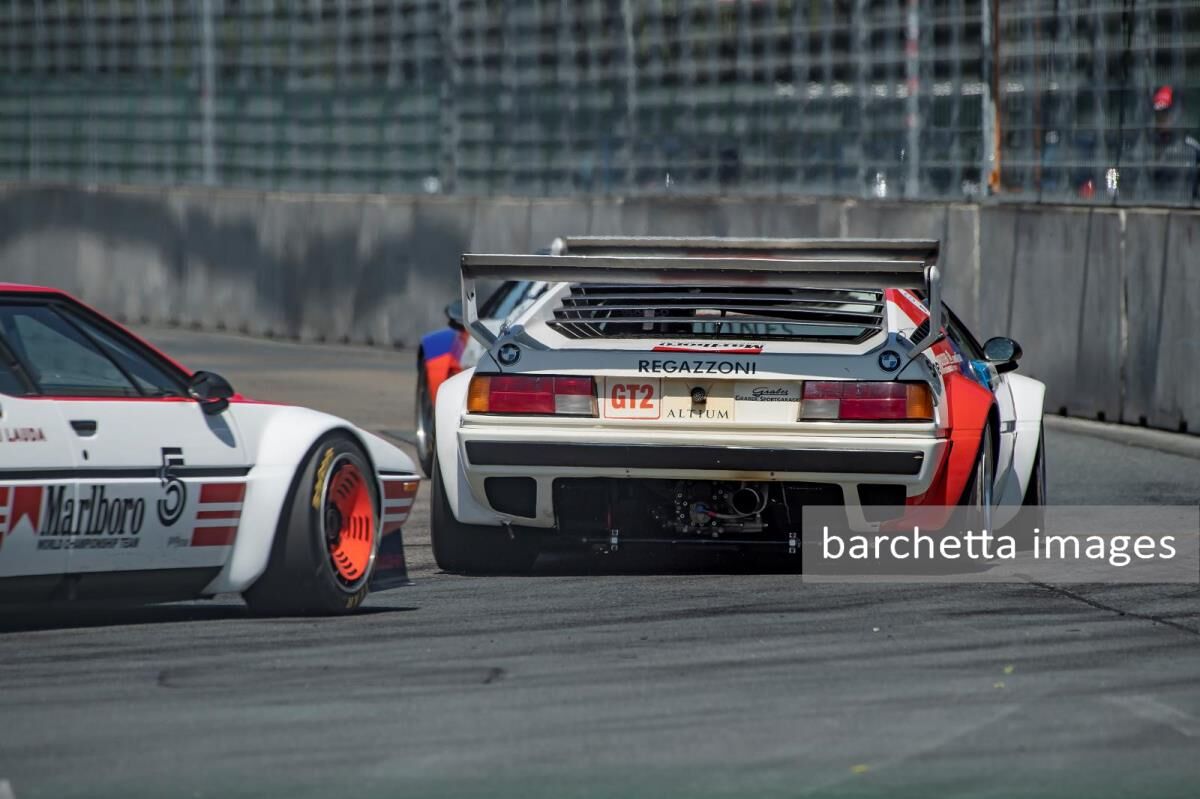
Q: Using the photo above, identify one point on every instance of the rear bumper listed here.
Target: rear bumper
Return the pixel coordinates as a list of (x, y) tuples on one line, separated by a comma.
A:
[(908, 458), (691, 457)]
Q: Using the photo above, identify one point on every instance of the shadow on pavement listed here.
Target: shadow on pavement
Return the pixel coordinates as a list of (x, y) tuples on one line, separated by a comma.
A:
[(68, 616), (635, 559)]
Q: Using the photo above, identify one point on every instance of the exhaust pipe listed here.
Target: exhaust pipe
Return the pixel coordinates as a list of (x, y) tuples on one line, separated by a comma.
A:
[(745, 501)]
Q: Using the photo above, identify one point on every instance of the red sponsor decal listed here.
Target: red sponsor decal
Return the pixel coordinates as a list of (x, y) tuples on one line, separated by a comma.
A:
[(217, 526), (213, 536), (26, 504), (749, 349), (222, 492)]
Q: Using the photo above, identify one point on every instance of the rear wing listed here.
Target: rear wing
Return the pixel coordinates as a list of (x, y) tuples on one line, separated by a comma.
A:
[(873, 264)]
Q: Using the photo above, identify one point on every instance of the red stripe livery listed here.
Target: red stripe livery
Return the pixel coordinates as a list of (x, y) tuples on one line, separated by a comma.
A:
[(222, 492), (217, 526), (213, 536), (398, 496)]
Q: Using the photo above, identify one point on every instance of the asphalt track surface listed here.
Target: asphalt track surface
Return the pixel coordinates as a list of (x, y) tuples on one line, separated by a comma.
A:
[(613, 677)]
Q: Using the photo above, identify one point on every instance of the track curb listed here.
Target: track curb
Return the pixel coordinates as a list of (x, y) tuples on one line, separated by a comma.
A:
[(1175, 443)]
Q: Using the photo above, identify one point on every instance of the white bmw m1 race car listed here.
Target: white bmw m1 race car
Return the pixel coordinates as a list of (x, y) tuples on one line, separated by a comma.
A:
[(704, 391), (125, 476)]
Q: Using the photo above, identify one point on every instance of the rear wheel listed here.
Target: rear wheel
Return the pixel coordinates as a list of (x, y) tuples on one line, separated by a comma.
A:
[(1032, 515), (328, 536), (473, 548), (425, 419), (977, 498)]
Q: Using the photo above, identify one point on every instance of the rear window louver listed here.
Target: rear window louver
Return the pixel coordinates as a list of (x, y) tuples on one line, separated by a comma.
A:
[(734, 312)]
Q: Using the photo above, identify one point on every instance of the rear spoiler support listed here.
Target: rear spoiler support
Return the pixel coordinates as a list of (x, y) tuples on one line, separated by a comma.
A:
[(872, 264)]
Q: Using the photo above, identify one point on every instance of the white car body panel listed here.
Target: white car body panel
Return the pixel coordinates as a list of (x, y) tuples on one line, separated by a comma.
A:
[(131, 435), (147, 484), (451, 402), (279, 437), (486, 429), (1028, 396), (546, 350), (250, 447), (33, 435)]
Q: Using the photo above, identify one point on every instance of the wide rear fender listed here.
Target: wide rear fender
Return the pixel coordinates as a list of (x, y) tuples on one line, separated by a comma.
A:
[(451, 404), (277, 438)]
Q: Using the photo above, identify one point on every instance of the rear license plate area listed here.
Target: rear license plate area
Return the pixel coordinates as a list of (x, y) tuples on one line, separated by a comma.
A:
[(636, 398)]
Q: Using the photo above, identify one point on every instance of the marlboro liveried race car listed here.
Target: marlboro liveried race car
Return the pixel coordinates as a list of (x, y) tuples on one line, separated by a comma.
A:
[(704, 391), (123, 475)]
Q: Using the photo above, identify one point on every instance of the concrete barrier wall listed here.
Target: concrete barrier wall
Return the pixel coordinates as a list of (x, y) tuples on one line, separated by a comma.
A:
[(1104, 301)]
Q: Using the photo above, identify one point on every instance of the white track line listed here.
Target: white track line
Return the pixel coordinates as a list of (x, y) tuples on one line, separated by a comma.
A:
[(1147, 707)]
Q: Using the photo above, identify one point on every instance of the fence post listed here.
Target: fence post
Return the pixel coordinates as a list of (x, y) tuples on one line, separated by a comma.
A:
[(989, 167), (207, 91), (447, 109), (631, 98), (912, 68)]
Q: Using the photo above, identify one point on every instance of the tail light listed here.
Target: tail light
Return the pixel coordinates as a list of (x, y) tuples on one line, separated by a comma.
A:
[(850, 400), (546, 395)]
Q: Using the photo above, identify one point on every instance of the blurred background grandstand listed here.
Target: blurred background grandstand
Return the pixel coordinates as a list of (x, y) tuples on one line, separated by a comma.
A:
[(1055, 100)]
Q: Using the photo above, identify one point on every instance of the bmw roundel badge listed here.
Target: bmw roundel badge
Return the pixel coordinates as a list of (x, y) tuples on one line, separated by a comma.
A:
[(889, 360), (508, 354)]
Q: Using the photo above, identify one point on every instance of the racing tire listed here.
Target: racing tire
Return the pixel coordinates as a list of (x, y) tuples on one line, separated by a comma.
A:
[(426, 427), (977, 499), (476, 548), (328, 536), (1032, 515)]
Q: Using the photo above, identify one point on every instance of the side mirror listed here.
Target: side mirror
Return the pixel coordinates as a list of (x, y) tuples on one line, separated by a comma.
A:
[(1003, 353), (211, 390), (454, 314)]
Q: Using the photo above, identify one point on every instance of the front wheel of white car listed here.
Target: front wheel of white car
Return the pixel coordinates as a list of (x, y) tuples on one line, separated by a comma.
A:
[(473, 548), (327, 538)]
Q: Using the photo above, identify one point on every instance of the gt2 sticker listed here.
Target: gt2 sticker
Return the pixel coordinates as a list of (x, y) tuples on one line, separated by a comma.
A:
[(632, 399), (672, 366)]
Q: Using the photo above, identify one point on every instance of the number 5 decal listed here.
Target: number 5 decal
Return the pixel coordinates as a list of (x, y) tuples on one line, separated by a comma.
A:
[(171, 506)]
